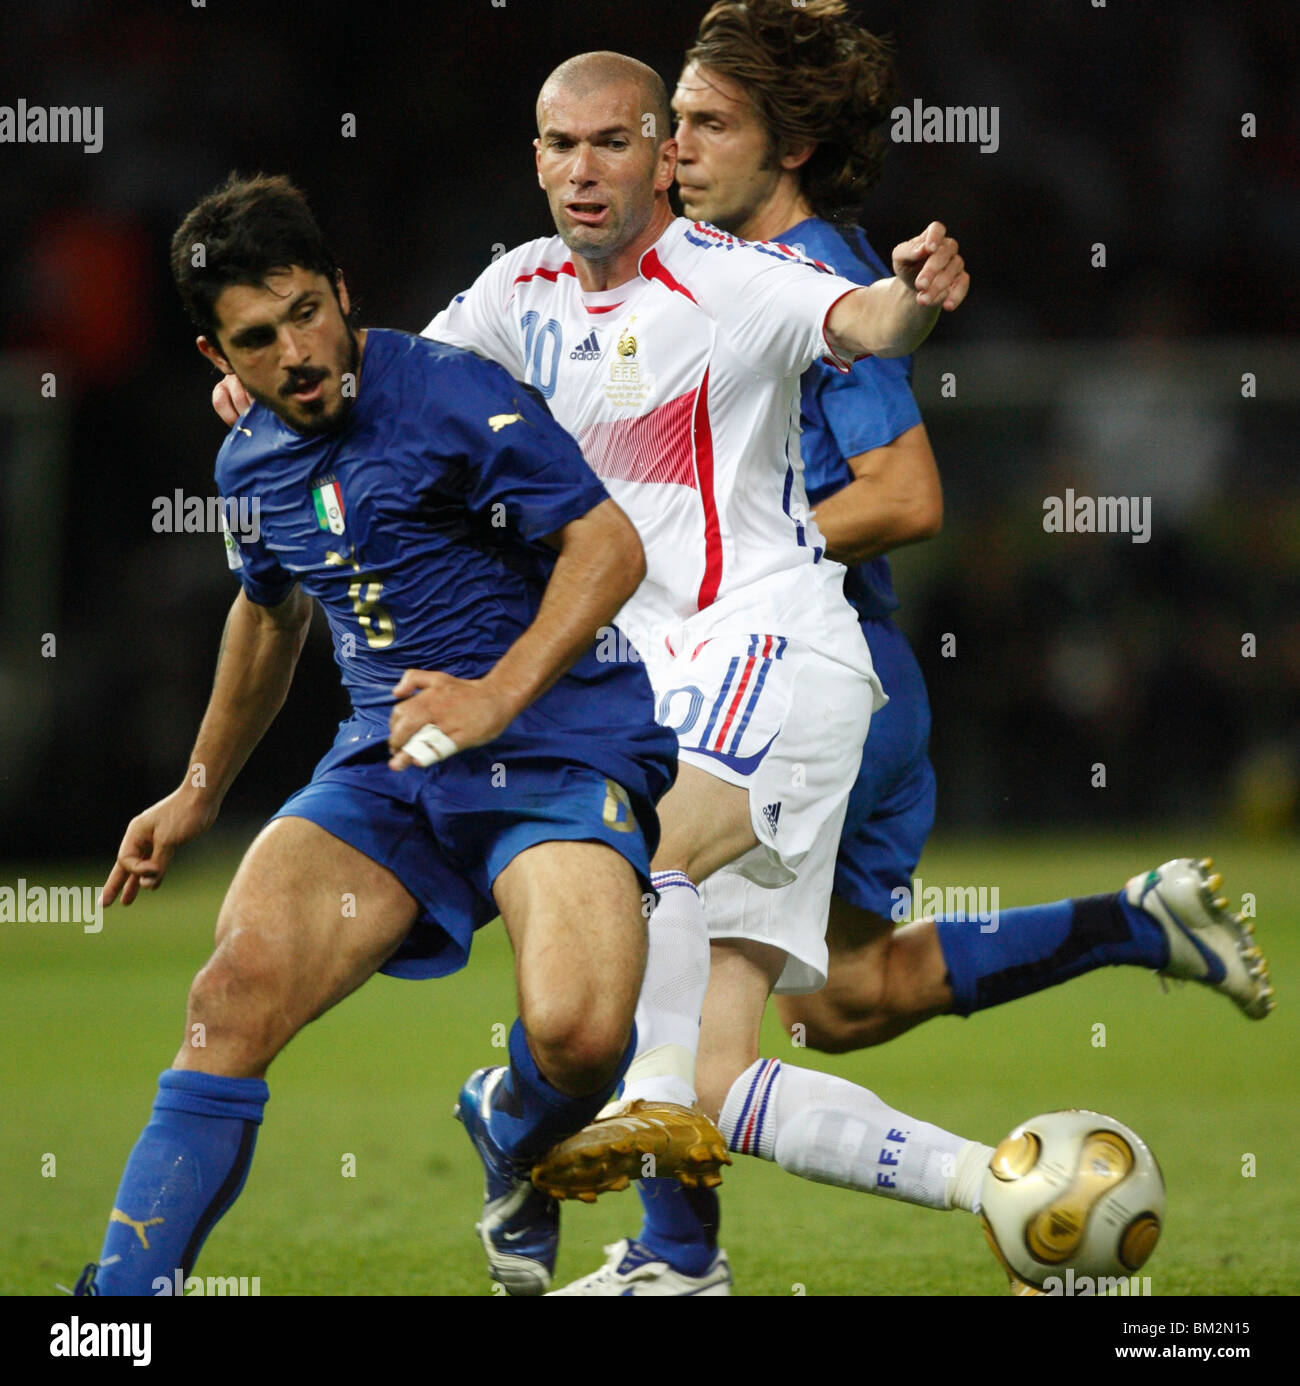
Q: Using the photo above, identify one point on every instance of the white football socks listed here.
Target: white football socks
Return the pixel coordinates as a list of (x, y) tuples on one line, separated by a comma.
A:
[(832, 1131), (672, 996)]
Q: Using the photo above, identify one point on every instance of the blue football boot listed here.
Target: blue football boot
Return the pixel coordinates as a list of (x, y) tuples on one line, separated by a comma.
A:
[(520, 1227)]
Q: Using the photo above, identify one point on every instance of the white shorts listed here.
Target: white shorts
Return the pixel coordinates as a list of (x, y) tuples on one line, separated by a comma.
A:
[(792, 918), (786, 721)]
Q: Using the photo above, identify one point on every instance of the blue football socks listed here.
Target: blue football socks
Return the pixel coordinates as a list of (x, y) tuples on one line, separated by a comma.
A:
[(1039, 946), (186, 1169), (680, 1224), (529, 1115)]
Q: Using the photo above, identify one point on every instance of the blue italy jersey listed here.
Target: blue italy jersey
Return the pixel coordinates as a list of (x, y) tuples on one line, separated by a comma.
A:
[(416, 526), (843, 415)]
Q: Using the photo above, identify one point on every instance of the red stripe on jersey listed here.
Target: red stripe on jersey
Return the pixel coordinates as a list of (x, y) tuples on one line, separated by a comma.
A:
[(550, 275), (735, 703), (654, 448), (704, 471), (652, 268), (608, 309), (832, 358)]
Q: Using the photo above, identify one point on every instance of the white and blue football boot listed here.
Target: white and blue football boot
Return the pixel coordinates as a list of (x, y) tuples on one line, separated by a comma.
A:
[(633, 1269), (519, 1227), (1207, 942)]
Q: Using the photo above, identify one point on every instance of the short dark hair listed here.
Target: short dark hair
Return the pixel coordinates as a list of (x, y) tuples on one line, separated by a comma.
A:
[(247, 229), (813, 74)]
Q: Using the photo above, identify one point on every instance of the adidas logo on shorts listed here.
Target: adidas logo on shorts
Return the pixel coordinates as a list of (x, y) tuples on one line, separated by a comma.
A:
[(771, 812), (588, 351)]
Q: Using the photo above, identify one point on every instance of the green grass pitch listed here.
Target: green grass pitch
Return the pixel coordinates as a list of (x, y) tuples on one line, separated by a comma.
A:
[(87, 1022)]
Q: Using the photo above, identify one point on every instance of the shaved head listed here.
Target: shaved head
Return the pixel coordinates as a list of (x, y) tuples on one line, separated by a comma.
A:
[(605, 158), (589, 73)]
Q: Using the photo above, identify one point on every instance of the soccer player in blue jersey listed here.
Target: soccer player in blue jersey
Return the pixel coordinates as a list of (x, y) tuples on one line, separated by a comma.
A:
[(465, 557), (778, 113)]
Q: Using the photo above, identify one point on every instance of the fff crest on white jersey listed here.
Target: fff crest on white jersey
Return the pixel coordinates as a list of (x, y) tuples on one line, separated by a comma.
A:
[(626, 389)]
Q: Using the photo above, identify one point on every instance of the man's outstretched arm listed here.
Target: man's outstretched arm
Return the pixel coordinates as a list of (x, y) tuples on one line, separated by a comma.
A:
[(892, 317), (259, 651)]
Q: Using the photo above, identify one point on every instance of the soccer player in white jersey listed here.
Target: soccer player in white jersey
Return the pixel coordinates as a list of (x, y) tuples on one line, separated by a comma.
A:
[(673, 353)]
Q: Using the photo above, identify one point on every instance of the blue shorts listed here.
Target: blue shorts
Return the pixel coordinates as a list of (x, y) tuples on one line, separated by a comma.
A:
[(447, 832), (891, 805)]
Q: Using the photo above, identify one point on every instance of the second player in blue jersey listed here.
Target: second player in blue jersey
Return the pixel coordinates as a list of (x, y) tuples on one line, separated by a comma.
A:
[(779, 124)]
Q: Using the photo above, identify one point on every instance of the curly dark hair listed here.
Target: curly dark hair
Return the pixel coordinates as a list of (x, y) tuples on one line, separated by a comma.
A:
[(813, 74), (247, 228)]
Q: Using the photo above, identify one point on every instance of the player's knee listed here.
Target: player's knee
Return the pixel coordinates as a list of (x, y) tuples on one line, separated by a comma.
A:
[(826, 1028), (239, 1001), (869, 999), (836, 1022), (897, 1003), (578, 1047)]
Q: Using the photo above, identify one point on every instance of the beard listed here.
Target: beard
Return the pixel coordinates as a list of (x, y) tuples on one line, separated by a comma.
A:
[(316, 416)]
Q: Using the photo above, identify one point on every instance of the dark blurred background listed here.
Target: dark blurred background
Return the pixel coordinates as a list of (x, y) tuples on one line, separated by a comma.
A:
[(1119, 125)]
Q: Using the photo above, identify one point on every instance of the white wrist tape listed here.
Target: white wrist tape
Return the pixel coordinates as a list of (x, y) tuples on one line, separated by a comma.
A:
[(430, 745)]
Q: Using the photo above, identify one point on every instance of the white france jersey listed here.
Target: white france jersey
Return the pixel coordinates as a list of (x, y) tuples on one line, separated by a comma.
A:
[(682, 389)]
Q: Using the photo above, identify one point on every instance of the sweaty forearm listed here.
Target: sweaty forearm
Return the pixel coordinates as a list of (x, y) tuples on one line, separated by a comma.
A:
[(883, 319), (255, 667)]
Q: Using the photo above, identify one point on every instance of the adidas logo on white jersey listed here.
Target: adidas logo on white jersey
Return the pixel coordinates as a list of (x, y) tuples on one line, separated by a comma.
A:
[(771, 812), (588, 351)]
